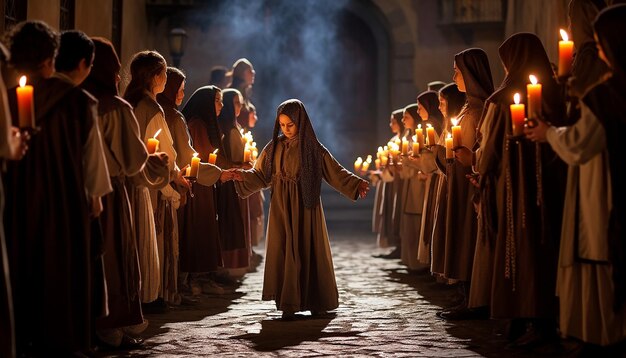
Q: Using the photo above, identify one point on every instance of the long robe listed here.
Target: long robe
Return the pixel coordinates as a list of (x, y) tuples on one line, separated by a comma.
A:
[(299, 272), (383, 214), (460, 213), (126, 155), (584, 283), (200, 249), (438, 239), (48, 227), (525, 260)]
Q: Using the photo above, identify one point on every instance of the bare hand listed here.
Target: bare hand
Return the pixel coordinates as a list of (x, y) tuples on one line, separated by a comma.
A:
[(96, 206), (180, 178), (230, 174), (159, 159), (474, 179), (538, 132), (364, 188), (463, 155), (18, 144)]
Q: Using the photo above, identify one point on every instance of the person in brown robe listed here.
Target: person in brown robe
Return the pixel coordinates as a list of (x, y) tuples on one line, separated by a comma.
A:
[(299, 274), (472, 76), (607, 101), (126, 156), (382, 221), (529, 196), (451, 101), (233, 211), (13, 146), (48, 226)]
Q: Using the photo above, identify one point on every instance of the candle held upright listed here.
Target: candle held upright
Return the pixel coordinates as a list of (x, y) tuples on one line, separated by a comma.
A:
[(25, 104), (566, 55)]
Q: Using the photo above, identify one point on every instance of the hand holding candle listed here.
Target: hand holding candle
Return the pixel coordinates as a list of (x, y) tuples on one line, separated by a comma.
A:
[(195, 166), (456, 133), (153, 143), (566, 55), (533, 90), (517, 116), (25, 104)]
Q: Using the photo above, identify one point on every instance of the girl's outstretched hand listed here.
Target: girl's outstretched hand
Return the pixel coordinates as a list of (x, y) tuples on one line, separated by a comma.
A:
[(364, 187)]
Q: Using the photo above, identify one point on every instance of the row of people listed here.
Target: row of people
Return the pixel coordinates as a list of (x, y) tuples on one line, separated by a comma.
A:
[(496, 218)]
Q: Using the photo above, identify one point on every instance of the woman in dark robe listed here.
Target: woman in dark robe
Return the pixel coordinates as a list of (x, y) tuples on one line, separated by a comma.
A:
[(529, 195), (608, 102), (233, 212), (200, 249), (126, 156), (451, 101), (473, 76)]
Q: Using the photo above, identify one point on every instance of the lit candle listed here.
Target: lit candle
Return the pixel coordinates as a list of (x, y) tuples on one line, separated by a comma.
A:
[(195, 165), (420, 135), (255, 153), (188, 172), (533, 91), (449, 152), (517, 116), (247, 154), (365, 166), (456, 133), (153, 143), (357, 164), (377, 161), (405, 146), (213, 157), (566, 55), (383, 160), (430, 133), (416, 146), (25, 105)]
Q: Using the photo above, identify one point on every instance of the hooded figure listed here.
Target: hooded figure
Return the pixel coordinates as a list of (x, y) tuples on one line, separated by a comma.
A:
[(607, 102), (529, 191), (200, 249), (299, 272)]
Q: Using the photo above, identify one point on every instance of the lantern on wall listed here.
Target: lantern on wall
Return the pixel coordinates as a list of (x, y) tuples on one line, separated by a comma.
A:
[(177, 42)]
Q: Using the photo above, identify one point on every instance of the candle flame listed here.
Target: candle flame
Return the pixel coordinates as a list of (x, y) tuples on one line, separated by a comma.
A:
[(359, 159), (449, 135), (369, 159), (428, 125), (253, 144), (157, 133), (454, 121), (415, 138), (215, 151), (22, 81), (419, 126), (195, 155), (533, 79), (241, 131), (564, 35), (516, 98), (380, 149)]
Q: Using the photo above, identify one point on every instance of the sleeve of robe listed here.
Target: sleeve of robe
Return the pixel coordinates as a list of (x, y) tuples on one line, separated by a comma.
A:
[(253, 179), (95, 171), (208, 174), (120, 130), (580, 142), (493, 129), (339, 177), (5, 121)]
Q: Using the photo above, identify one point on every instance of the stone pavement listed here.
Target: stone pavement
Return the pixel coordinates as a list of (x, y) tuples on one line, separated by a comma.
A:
[(384, 311)]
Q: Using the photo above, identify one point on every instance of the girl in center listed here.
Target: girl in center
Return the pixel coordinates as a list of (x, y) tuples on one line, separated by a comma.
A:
[(299, 273)]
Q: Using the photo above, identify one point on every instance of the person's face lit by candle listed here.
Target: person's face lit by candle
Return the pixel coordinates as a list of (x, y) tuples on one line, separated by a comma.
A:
[(458, 78), (408, 120), (443, 105), (394, 125), (422, 112), (180, 95), (287, 126), (238, 104), (159, 81), (219, 103)]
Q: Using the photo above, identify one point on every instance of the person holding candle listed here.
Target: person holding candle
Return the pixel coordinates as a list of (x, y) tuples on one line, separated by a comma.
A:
[(148, 78), (294, 165), (527, 179), (233, 211), (126, 156), (590, 283), (472, 76), (200, 249), (415, 253), (389, 228), (48, 196)]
